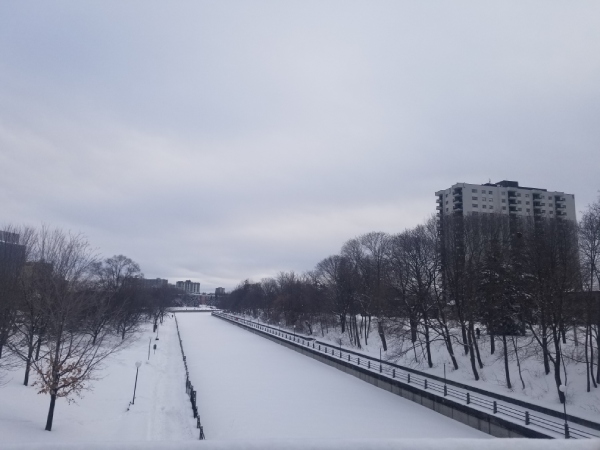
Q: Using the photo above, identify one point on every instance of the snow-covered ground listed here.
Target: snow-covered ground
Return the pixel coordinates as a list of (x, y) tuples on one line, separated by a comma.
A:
[(539, 389), (251, 388), (161, 410), (193, 308)]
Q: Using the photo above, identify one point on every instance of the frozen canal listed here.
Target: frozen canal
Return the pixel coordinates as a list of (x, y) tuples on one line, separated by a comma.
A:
[(251, 388)]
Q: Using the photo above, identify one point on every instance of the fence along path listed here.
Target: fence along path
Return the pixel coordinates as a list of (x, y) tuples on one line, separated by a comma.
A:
[(189, 388), (516, 411)]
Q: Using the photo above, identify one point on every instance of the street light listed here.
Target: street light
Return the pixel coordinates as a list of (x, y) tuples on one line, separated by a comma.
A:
[(137, 365), (562, 388)]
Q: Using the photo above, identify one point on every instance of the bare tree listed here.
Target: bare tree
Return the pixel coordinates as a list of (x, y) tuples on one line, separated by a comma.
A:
[(589, 247), (69, 357)]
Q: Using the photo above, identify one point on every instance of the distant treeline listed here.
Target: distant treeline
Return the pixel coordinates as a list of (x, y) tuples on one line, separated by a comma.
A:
[(445, 280)]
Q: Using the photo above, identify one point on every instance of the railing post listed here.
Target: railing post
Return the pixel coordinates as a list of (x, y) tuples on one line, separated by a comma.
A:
[(393, 373), (445, 390), (468, 398), (368, 364), (348, 357), (408, 378), (526, 417), (495, 407), (425, 384), (380, 368)]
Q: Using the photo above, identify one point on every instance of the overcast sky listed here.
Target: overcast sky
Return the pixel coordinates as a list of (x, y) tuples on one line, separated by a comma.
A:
[(223, 140)]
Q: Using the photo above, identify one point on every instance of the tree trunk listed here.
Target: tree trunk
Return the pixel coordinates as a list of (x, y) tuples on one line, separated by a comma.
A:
[(474, 341), (492, 343), (588, 371), (557, 360), (51, 412), (545, 352), (38, 346), (592, 360), (28, 362), (428, 345), (381, 334), (465, 339), (506, 361), (472, 357), (356, 332), (518, 361)]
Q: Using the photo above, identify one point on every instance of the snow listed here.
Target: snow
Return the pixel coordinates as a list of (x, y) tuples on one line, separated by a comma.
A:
[(251, 388), (324, 444), (539, 389), (161, 410), (201, 308)]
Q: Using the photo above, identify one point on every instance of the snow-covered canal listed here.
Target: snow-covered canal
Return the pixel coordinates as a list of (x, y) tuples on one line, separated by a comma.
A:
[(251, 388)]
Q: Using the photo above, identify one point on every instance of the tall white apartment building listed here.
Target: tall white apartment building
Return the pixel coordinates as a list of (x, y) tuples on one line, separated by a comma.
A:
[(504, 197), (188, 286)]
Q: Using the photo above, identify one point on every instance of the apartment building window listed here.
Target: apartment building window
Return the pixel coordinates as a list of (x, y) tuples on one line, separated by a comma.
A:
[(484, 207), (483, 199), (474, 190), (490, 192), (491, 206), (483, 191), (518, 194), (528, 210), (551, 212), (527, 203), (503, 200), (474, 198), (504, 207), (519, 202), (543, 210), (491, 199), (475, 205), (503, 193), (526, 195), (519, 209)]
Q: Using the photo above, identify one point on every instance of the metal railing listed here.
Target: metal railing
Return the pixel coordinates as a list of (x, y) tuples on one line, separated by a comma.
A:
[(189, 387), (421, 381)]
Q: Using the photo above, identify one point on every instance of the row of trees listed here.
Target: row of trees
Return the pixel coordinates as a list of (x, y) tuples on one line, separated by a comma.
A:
[(446, 279), (63, 309)]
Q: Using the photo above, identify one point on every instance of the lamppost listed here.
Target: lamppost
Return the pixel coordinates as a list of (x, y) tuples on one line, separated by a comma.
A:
[(562, 388), (137, 365), (294, 331)]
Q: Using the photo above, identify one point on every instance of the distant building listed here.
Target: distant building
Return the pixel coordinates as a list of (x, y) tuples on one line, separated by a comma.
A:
[(504, 197), (188, 287), (219, 291), (154, 283), (12, 254)]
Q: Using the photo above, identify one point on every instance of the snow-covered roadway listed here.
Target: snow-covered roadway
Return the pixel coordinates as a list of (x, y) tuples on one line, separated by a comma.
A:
[(251, 388)]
